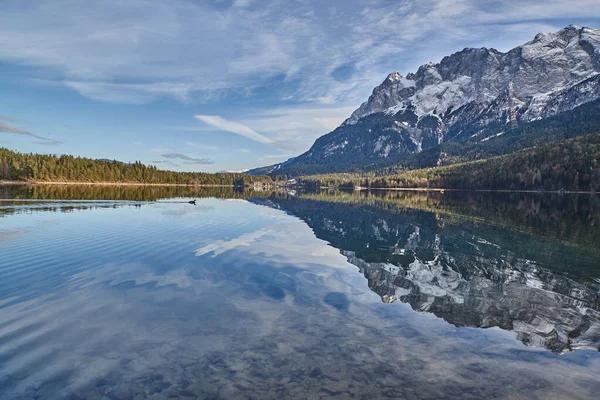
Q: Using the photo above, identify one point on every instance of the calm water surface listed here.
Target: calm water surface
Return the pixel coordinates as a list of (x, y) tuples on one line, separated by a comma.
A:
[(131, 293)]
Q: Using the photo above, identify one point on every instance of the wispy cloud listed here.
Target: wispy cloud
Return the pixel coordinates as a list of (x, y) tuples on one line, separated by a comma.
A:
[(139, 51), (294, 129), (6, 128), (133, 93), (165, 162), (47, 143), (13, 130), (187, 159), (234, 127)]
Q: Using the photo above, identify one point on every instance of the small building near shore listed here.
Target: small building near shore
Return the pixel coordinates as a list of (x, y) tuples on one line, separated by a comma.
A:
[(260, 186)]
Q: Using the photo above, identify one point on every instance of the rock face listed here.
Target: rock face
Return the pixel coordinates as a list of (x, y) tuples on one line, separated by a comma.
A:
[(528, 77), (456, 98)]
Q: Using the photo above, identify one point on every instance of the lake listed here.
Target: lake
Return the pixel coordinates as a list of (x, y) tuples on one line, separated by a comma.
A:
[(132, 293)]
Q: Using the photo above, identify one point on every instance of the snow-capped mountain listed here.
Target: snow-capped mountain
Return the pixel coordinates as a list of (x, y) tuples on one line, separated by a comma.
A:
[(457, 98), (527, 78)]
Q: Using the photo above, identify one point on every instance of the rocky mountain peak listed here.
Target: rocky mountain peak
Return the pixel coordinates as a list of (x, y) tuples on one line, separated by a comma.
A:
[(393, 77), (463, 94), (481, 75)]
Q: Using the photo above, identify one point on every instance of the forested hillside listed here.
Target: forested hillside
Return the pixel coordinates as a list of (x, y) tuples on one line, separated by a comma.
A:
[(51, 168), (572, 165), (496, 140)]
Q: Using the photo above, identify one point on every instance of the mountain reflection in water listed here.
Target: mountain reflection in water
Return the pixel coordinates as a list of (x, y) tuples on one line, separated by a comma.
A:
[(132, 293), (468, 260)]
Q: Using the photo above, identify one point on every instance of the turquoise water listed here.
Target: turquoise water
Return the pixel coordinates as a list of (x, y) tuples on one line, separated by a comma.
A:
[(329, 295)]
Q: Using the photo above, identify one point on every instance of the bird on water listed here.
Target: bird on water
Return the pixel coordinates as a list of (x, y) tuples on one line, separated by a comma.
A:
[(192, 202)]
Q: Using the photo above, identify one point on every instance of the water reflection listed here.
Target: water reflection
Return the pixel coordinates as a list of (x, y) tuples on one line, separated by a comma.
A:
[(16, 199), (229, 299), (500, 272), (118, 192)]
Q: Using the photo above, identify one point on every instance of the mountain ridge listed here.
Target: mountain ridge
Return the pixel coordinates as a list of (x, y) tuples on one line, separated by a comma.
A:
[(472, 95)]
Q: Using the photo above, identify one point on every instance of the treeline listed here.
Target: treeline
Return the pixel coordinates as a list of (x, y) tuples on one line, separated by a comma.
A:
[(572, 165), (52, 168)]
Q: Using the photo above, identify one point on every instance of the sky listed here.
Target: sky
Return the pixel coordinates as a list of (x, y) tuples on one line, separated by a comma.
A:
[(227, 84)]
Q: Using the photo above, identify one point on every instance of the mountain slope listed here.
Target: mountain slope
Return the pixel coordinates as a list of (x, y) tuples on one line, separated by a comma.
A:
[(470, 96), (572, 165)]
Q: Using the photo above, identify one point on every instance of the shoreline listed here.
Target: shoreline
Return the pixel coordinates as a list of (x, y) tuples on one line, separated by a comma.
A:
[(356, 189), (359, 189), (406, 189)]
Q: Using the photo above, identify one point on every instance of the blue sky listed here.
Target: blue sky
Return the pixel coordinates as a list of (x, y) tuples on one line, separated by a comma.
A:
[(227, 84)]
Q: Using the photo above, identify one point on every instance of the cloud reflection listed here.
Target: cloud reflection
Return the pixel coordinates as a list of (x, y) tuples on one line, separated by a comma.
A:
[(219, 309)]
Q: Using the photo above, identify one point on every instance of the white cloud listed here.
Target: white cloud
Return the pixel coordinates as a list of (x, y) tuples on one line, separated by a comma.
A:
[(234, 127), (294, 129), (141, 50), (131, 93), (291, 130)]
